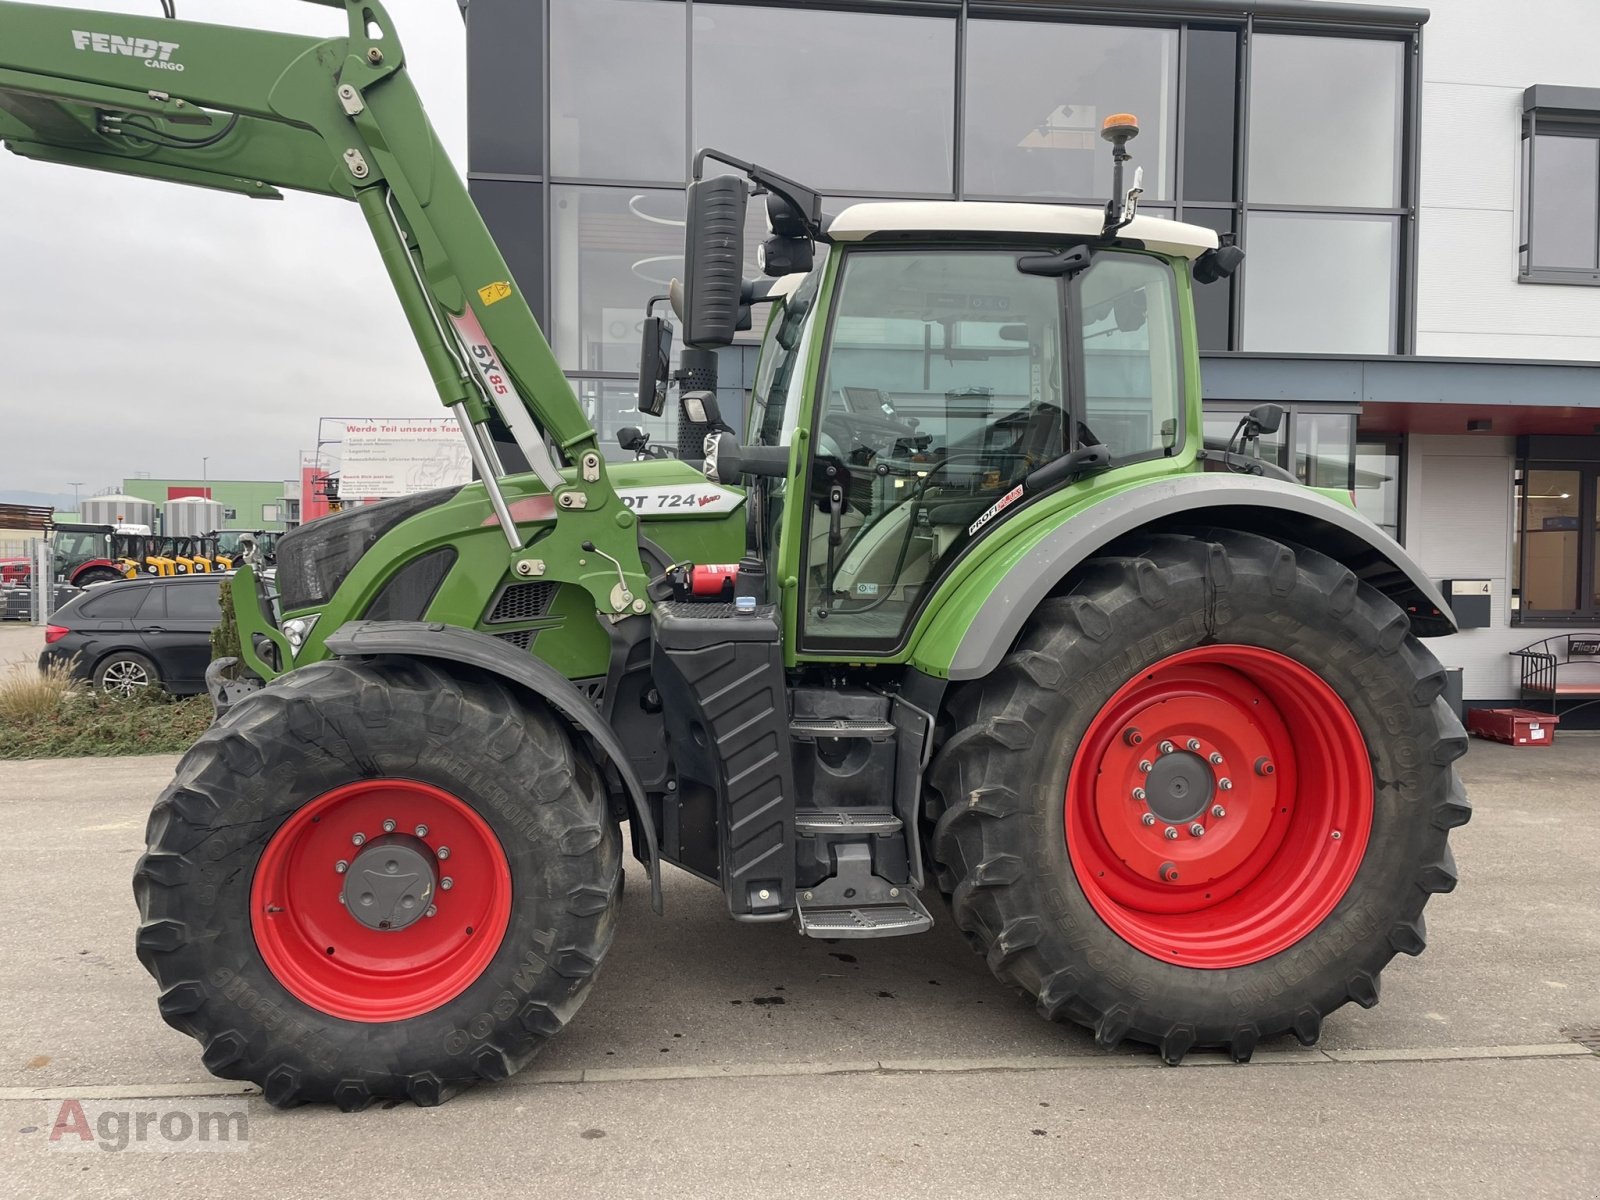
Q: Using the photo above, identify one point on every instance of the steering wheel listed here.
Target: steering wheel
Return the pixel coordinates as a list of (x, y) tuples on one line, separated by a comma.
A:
[(874, 433)]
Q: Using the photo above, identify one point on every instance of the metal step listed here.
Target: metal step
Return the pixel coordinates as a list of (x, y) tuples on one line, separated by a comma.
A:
[(905, 915), (846, 820), (807, 728)]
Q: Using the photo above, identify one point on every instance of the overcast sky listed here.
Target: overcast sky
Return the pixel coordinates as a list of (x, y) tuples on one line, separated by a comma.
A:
[(144, 325)]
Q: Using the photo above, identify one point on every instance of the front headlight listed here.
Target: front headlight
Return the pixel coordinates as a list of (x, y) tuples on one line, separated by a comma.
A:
[(298, 629)]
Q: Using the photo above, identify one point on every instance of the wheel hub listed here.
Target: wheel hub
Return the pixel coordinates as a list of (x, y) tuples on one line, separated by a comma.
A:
[(1218, 805), (1179, 787), (381, 899), (390, 883)]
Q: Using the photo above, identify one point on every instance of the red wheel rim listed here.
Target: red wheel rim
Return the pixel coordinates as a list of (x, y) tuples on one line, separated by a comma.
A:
[(1261, 775), (342, 965)]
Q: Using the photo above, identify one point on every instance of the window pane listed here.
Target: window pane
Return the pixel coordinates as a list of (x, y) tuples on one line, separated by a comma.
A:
[(1323, 443), (1217, 426), (194, 602), (943, 388), (1037, 93), (834, 99), (123, 602), (1213, 302), (1325, 121), (1320, 285), (617, 106), (1378, 484), (1550, 536), (611, 404), (1566, 201), (611, 250), (1130, 355), (1210, 98)]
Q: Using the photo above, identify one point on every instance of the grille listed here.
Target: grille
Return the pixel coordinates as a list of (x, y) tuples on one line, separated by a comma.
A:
[(523, 602), (520, 638)]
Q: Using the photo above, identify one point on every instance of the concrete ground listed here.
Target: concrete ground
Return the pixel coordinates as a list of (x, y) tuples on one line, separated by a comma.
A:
[(20, 642), (717, 1059)]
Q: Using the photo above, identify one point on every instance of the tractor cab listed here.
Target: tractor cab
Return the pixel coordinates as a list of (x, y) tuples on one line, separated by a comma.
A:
[(935, 371)]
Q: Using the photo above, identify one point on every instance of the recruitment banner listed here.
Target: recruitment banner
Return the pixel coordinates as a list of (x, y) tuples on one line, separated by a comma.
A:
[(396, 458)]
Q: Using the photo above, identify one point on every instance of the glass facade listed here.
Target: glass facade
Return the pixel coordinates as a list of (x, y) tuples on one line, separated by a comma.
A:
[(1297, 140), (845, 101), (1037, 92)]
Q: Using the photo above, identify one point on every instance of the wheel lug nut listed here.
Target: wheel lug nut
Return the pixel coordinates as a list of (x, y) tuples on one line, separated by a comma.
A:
[(1132, 736), (431, 911), (444, 851), (1138, 793), (446, 883), (1170, 833), (1148, 819), (388, 826), (1264, 766), (1144, 765), (1197, 830), (422, 831), (1225, 784), (341, 866), (358, 838), (1218, 811), (1193, 743), (1216, 759), (1166, 747)]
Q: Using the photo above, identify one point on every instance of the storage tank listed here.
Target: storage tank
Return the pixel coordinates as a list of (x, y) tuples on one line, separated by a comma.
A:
[(117, 510), (192, 515)]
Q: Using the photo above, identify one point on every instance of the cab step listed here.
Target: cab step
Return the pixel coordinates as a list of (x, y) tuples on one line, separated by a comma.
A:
[(900, 916), (809, 728), (846, 820)]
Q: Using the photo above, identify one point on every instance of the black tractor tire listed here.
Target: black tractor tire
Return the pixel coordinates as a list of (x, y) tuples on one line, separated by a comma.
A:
[(998, 839), (329, 726), (126, 674), (97, 575)]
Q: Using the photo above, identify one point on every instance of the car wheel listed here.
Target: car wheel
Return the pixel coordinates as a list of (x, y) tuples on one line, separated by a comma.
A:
[(125, 675)]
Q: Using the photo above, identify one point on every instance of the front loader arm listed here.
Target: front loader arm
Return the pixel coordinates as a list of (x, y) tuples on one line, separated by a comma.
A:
[(250, 112)]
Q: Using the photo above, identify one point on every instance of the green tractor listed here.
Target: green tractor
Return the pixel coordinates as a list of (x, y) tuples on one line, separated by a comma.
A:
[(971, 627)]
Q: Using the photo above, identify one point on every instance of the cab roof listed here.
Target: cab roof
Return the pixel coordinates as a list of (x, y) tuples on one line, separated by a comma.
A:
[(894, 217)]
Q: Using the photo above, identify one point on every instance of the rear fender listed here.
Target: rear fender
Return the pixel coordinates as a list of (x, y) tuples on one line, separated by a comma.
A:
[(984, 631), (431, 639)]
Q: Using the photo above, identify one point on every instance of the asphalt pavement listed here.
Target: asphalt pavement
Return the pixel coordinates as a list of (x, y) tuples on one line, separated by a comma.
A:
[(719, 1059)]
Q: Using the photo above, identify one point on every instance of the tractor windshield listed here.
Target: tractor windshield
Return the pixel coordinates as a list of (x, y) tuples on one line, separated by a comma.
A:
[(945, 383), (75, 546)]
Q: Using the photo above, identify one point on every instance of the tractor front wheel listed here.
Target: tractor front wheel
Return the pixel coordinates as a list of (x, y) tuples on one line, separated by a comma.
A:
[(1204, 799), (378, 880)]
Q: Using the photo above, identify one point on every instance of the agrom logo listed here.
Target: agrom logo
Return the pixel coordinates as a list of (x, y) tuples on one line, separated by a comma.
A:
[(156, 55)]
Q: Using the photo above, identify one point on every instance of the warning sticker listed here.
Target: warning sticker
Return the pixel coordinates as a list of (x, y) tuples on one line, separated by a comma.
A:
[(495, 292)]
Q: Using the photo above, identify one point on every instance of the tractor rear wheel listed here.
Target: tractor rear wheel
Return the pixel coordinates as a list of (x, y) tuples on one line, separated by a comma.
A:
[(377, 880), (1204, 799)]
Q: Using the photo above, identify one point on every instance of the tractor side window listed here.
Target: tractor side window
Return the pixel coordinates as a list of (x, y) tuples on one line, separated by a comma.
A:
[(943, 387), (775, 400), (1132, 394)]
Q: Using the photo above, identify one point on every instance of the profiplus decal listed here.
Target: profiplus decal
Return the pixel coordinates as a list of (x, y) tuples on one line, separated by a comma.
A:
[(996, 509), (156, 54)]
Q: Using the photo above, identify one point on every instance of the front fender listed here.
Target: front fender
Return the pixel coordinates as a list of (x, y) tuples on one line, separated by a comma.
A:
[(431, 639), (1011, 584)]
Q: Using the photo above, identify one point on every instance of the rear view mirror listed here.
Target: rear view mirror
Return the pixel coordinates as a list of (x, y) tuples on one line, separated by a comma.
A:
[(713, 260), (655, 366)]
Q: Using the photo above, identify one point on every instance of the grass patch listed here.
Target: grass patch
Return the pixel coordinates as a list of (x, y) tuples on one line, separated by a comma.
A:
[(50, 715)]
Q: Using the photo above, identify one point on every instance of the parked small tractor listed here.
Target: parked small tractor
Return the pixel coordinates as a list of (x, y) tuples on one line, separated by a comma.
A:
[(968, 625)]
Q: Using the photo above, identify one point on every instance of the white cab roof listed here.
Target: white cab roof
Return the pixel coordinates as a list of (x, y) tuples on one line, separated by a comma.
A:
[(860, 221)]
